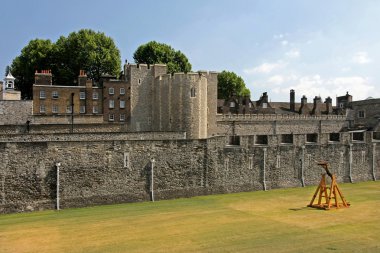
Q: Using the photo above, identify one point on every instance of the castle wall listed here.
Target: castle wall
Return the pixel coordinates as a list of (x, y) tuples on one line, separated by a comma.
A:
[(112, 168)]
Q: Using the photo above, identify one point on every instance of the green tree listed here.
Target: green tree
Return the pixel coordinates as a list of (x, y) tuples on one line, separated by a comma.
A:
[(229, 83), (36, 55), (86, 50), (154, 52)]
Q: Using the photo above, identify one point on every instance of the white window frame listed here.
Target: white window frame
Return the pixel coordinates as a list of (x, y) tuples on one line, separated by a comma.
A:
[(82, 95), (111, 117), (361, 114), (54, 94), (54, 109), (111, 104), (122, 117), (122, 91), (95, 95), (82, 109), (111, 91), (42, 94), (95, 109), (122, 104), (42, 108)]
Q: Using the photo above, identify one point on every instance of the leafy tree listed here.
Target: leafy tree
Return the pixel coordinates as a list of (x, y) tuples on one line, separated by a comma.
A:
[(154, 52), (229, 83), (86, 50), (36, 55)]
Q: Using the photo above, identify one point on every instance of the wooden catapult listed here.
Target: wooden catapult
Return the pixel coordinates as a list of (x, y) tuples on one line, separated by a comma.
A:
[(328, 197)]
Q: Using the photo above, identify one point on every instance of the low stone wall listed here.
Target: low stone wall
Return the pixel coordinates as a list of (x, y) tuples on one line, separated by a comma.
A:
[(114, 170)]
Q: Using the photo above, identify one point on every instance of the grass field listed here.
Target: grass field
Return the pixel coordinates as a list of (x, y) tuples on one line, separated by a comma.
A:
[(273, 221)]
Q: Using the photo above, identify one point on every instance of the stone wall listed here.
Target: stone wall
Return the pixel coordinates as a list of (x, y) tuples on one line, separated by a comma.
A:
[(113, 168), (15, 112)]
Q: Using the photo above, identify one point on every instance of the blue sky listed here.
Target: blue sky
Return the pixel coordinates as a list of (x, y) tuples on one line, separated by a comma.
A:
[(319, 48)]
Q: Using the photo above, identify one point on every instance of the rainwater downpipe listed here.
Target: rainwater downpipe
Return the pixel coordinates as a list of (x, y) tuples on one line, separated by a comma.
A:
[(303, 166), (58, 165), (350, 163), (373, 161), (264, 164)]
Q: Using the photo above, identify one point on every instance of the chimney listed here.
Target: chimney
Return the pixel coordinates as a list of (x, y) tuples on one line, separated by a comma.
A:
[(328, 103), (292, 100), (304, 109), (317, 106), (82, 78), (43, 78)]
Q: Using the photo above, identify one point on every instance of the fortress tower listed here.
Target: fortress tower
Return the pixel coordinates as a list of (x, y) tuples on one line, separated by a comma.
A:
[(165, 102)]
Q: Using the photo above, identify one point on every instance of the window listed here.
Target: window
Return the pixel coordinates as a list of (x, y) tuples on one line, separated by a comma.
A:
[(95, 109), (234, 140), (122, 117), (122, 91), (95, 95), (111, 117), (361, 114), (111, 91), (54, 94), (312, 138), (341, 105), (261, 140), (334, 137), (42, 109), (287, 139), (193, 92), (10, 84), (54, 109), (376, 136), (122, 104), (82, 95), (42, 94), (68, 109), (265, 105), (358, 136), (232, 104), (111, 104), (82, 109)]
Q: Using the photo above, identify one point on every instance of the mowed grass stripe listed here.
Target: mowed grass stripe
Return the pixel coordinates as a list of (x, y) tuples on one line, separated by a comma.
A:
[(272, 221)]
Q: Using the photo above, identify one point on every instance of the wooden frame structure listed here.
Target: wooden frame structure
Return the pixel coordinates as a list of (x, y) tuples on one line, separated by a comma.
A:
[(328, 197)]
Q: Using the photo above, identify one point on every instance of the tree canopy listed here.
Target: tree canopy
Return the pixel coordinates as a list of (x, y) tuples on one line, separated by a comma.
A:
[(154, 52), (86, 50), (229, 84)]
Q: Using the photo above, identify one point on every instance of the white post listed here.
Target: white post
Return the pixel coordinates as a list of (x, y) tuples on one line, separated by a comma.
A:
[(350, 163), (303, 166), (151, 178), (58, 165), (374, 161), (264, 164)]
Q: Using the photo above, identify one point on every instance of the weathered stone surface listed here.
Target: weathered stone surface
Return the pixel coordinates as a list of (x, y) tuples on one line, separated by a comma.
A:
[(112, 170)]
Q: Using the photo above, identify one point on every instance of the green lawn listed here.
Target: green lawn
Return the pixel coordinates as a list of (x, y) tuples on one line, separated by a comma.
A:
[(272, 221)]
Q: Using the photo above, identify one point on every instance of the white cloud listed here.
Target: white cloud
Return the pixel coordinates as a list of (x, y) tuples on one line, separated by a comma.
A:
[(310, 86), (277, 79), (361, 58), (284, 42), (278, 36), (294, 53), (265, 68)]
